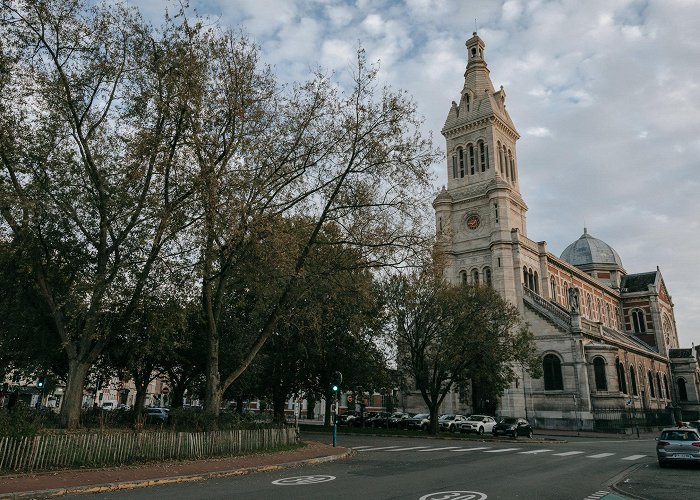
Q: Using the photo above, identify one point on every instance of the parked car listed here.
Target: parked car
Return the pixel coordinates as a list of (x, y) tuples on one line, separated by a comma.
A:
[(512, 426), (478, 424), (380, 419), (399, 420), (450, 423), (348, 418), (363, 421), (157, 415), (419, 422), (678, 444), (694, 424)]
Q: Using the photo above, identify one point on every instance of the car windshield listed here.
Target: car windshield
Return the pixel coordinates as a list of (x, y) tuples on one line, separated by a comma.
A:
[(447, 417), (509, 420), (476, 418), (421, 416)]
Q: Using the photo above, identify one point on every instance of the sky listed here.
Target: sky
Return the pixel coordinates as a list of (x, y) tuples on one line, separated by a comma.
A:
[(604, 93)]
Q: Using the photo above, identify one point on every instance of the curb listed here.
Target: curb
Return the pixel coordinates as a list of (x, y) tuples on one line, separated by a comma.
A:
[(483, 439), (144, 483)]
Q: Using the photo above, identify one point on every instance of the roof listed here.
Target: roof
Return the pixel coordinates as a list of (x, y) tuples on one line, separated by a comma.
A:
[(638, 282), (589, 250)]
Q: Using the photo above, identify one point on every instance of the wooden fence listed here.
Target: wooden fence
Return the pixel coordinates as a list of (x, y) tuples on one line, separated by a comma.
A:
[(53, 451)]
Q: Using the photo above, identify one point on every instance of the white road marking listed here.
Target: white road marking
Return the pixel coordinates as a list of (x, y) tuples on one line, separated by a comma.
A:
[(360, 447), (568, 453), (533, 452), (440, 449), (501, 450), (596, 495), (473, 449), (600, 455), (379, 448), (411, 448), (634, 457)]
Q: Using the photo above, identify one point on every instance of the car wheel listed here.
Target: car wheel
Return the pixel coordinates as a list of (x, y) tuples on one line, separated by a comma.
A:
[(424, 427), (480, 432), (662, 464), (451, 428), (529, 433), (515, 434)]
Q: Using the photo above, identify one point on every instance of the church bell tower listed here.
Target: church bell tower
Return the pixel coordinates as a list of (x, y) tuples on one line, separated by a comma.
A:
[(481, 205)]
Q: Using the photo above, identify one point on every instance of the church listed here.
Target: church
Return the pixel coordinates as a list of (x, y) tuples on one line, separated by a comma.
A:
[(607, 338)]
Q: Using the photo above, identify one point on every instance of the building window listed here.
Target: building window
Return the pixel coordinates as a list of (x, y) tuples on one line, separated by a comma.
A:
[(467, 101), (621, 381), (460, 154), (472, 159), (526, 282), (589, 304), (652, 392), (658, 385), (487, 276), (601, 381), (565, 294), (668, 393), (500, 156), (536, 282), (454, 167), (463, 277), (475, 276), (483, 156), (553, 380), (505, 160), (638, 321), (512, 166), (633, 381), (554, 289), (495, 210), (682, 391)]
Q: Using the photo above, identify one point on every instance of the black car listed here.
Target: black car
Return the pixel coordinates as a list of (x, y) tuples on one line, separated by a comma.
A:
[(512, 426), (380, 419), (418, 422), (348, 418), (398, 420)]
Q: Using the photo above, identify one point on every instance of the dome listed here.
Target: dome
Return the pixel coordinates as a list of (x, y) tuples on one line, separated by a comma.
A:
[(588, 250)]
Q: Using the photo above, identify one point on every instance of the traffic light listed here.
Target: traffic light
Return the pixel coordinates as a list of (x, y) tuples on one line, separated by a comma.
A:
[(336, 381), (41, 382)]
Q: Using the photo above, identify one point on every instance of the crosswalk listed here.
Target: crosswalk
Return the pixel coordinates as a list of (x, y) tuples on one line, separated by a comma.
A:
[(488, 449)]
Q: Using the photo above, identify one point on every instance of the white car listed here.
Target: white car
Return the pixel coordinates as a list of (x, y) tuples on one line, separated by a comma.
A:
[(451, 422), (478, 424)]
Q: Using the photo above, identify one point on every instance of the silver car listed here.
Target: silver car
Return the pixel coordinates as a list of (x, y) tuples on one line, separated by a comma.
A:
[(678, 444)]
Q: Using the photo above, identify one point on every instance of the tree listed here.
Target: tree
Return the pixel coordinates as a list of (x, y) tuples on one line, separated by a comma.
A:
[(92, 182), (314, 155), (447, 336)]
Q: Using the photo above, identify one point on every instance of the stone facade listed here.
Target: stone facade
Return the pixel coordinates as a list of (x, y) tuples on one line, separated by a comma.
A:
[(604, 335)]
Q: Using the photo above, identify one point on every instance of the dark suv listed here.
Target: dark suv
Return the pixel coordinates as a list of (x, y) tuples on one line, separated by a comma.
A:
[(511, 426)]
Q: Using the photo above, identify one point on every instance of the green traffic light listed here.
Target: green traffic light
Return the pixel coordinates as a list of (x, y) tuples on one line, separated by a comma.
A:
[(335, 388)]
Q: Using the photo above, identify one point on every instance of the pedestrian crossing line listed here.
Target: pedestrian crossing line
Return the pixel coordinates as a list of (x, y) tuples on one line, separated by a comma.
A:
[(596, 495), (379, 448), (406, 449), (568, 453), (634, 457), (472, 449), (600, 455), (360, 447), (502, 450), (440, 449), (533, 452)]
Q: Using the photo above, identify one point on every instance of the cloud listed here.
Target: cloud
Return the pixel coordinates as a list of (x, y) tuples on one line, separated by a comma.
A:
[(538, 132)]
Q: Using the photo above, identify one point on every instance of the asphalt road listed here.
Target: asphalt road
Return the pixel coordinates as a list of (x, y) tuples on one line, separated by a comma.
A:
[(430, 469)]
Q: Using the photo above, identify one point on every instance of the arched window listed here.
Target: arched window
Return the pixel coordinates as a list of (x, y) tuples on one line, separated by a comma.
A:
[(536, 282), (460, 154), (487, 276), (608, 318), (512, 166), (500, 156), (553, 284), (599, 309), (565, 294), (601, 381), (668, 330), (652, 392), (526, 281), (589, 303), (454, 167), (463, 277), (668, 393), (475, 276), (633, 381), (505, 160), (682, 391), (472, 160), (553, 380), (658, 385), (483, 155), (467, 101), (638, 321), (621, 381)]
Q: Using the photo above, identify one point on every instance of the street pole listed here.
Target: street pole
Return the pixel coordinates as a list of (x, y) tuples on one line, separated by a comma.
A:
[(334, 411)]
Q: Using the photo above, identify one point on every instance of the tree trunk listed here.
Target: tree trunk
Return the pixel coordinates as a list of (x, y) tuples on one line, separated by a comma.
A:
[(73, 397), (279, 400), (178, 394), (327, 416), (434, 424), (310, 406)]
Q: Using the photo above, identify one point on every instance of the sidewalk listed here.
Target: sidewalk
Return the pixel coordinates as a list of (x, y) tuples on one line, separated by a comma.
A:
[(57, 483)]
